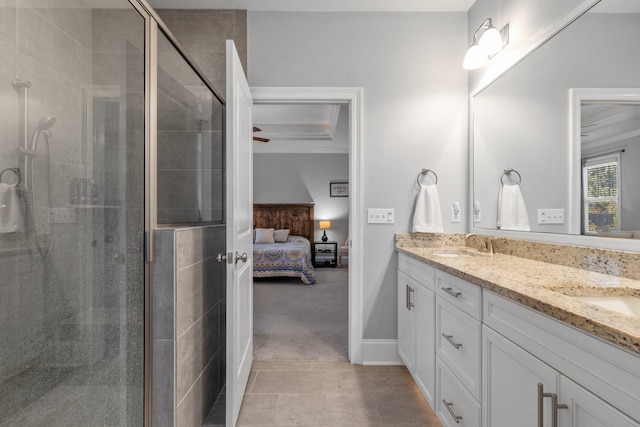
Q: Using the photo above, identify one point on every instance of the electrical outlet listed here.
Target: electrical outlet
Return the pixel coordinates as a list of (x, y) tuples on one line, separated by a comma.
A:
[(550, 216), (63, 215), (381, 216)]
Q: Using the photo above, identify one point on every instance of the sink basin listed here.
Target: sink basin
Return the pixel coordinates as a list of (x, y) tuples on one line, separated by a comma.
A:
[(460, 252), (622, 304)]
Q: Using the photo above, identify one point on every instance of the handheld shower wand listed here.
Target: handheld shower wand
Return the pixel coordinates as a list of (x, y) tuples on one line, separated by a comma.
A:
[(45, 124)]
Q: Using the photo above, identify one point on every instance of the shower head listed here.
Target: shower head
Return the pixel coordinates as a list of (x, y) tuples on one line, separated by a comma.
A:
[(45, 124)]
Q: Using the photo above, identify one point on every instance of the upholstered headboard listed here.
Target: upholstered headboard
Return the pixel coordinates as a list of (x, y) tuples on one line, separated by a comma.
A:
[(297, 217)]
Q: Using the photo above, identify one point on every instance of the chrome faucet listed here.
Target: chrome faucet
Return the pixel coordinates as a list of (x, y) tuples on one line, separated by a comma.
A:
[(487, 242)]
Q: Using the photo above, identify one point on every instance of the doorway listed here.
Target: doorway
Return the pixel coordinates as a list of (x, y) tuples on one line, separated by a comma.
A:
[(350, 100)]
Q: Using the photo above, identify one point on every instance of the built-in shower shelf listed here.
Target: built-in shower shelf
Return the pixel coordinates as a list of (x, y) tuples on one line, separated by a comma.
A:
[(96, 206)]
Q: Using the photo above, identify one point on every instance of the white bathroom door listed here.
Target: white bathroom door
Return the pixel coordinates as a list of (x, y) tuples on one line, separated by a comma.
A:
[(239, 218)]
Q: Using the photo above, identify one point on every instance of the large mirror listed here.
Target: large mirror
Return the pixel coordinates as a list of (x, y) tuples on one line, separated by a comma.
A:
[(556, 139)]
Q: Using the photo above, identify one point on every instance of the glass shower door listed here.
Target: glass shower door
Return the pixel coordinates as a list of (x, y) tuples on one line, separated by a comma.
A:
[(72, 288)]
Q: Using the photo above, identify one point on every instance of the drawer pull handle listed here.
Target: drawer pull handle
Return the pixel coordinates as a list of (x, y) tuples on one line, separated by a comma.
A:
[(449, 338), (411, 304), (451, 292), (449, 405)]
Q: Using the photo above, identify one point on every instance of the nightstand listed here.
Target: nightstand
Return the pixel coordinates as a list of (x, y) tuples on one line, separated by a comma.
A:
[(324, 254)]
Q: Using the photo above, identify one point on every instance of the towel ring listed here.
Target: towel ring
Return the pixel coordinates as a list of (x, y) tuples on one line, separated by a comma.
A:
[(424, 172), (508, 171), (16, 171)]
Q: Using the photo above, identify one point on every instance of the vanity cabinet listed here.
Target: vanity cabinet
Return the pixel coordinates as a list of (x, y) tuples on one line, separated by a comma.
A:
[(483, 360), (596, 383), (416, 322)]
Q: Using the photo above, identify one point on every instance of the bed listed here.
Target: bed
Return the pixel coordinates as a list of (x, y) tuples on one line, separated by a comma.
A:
[(293, 257)]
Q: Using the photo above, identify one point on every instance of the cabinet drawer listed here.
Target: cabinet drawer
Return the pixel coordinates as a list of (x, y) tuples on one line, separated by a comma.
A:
[(453, 400), (459, 344), (423, 273), (464, 295)]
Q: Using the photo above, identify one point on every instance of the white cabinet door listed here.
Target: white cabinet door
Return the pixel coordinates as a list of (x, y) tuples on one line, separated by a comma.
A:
[(406, 338), (510, 384), (425, 362), (586, 410)]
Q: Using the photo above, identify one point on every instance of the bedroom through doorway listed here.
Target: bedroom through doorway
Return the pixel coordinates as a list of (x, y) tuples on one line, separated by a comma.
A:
[(301, 166)]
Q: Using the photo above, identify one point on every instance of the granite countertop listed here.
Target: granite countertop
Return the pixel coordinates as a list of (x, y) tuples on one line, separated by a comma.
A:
[(542, 286)]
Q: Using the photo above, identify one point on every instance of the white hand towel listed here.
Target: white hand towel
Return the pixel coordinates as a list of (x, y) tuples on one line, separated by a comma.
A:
[(512, 211), (427, 217), (11, 216)]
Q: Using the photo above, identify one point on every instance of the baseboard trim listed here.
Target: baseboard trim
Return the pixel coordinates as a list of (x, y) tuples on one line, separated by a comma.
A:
[(380, 352)]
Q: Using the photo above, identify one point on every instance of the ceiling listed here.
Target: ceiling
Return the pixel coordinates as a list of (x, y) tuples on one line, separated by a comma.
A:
[(321, 5), (608, 123), (296, 121)]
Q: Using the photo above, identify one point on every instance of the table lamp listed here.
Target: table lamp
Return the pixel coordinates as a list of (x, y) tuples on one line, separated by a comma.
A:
[(324, 225)]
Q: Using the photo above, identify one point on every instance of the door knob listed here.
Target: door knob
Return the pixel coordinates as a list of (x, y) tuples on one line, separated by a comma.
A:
[(242, 257), (221, 257)]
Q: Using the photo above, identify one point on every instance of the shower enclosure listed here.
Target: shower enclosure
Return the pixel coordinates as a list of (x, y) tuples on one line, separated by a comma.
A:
[(79, 200)]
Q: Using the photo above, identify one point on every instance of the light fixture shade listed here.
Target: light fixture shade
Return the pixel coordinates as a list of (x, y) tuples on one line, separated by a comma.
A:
[(476, 57), (325, 225), (491, 41)]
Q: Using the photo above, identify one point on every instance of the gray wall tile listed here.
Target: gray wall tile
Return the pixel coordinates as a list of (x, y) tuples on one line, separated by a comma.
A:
[(194, 408), (197, 292), (163, 384), (203, 33), (163, 285), (194, 350)]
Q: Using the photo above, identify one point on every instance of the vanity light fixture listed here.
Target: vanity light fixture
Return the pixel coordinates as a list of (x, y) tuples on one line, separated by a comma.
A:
[(490, 42)]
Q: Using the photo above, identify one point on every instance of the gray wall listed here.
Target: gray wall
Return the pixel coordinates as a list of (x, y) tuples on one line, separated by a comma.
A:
[(630, 168), (304, 178), (189, 324), (415, 114)]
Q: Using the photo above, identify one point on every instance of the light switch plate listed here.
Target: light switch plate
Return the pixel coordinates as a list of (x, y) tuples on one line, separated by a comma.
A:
[(550, 216), (381, 216), (477, 212), (455, 212)]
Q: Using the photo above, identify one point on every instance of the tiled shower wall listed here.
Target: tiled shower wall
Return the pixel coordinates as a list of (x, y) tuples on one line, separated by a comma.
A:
[(51, 49), (189, 324), (203, 34)]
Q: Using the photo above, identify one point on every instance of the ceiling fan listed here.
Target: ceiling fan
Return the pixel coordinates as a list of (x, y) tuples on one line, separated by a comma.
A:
[(257, 138)]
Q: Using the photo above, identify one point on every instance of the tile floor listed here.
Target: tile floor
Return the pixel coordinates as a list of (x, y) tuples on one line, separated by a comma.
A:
[(333, 394)]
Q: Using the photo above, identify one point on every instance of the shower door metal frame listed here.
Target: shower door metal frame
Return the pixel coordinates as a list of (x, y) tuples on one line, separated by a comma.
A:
[(153, 23), (150, 113)]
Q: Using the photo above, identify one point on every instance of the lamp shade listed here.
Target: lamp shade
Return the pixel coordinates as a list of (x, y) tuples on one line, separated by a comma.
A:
[(491, 41), (476, 57), (325, 225)]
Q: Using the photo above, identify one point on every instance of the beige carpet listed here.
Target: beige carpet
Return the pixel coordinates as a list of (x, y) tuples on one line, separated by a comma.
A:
[(292, 321)]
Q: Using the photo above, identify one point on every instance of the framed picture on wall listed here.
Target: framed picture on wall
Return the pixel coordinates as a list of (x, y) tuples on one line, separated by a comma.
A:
[(339, 188)]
